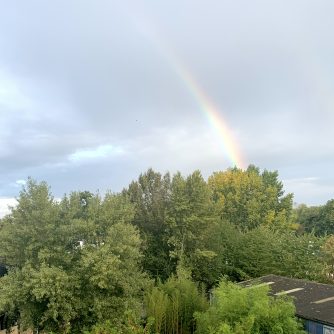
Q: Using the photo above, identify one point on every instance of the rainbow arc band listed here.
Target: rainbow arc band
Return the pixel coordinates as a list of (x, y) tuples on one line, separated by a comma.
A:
[(149, 29)]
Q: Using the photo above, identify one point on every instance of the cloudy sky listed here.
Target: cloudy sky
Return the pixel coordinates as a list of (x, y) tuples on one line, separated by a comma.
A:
[(94, 92)]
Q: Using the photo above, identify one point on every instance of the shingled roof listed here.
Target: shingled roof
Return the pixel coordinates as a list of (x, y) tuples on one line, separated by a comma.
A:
[(314, 301)]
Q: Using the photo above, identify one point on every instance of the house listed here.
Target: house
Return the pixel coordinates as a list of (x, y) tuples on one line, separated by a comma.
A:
[(314, 301)]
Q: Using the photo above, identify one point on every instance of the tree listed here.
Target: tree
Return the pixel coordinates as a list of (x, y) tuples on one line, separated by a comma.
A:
[(29, 227), (307, 218), (238, 310), (261, 251), (301, 256), (150, 195), (172, 304), (249, 198), (258, 253), (111, 283), (319, 219), (326, 224), (328, 249), (70, 267), (192, 220)]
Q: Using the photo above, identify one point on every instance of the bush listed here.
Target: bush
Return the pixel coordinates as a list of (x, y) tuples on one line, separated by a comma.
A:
[(241, 310), (172, 305), (130, 327)]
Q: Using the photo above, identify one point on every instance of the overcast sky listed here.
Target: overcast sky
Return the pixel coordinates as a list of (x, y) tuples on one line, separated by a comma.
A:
[(89, 96)]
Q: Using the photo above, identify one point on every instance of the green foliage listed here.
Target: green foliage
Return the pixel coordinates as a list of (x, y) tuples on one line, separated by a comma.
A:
[(150, 195), (172, 305), (305, 217), (75, 265), (248, 198), (176, 218), (328, 250), (72, 264), (262, 251), (317, 219), (190, 211), (301, 256), (28, 229), (130, 326), (192, 220), (186, 218), (247, 311), (111, 282)]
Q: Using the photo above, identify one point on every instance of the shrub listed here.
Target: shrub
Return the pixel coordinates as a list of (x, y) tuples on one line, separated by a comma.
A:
[(172, 305), (241, 310)]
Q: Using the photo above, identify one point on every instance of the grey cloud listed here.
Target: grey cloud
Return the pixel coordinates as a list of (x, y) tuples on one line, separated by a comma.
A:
[(89, 76)]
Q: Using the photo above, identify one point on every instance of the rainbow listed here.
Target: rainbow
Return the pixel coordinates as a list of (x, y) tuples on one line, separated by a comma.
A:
[(208, 108), (213, 116)]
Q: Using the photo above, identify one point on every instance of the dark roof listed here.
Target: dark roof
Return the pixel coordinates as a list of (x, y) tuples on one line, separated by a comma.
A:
[(314, 301)]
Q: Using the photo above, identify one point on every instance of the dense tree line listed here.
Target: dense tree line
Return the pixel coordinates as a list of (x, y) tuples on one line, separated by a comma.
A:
[(105, 264), (317, 219)]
